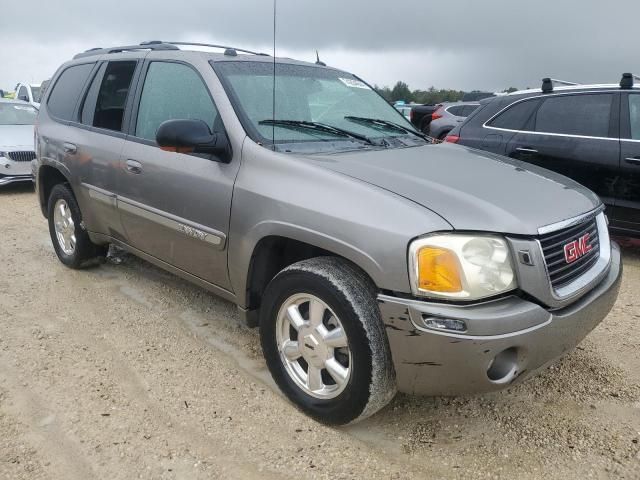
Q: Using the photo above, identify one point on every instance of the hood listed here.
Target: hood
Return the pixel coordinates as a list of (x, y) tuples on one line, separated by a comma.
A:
[(470, 189), (16, 137)]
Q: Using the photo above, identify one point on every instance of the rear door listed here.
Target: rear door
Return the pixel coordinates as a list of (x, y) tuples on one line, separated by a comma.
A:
[(100, 139), (575, 135), (175, 206), (627, 216)]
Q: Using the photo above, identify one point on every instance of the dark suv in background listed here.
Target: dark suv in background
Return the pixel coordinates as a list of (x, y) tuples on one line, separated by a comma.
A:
[(590, 133)]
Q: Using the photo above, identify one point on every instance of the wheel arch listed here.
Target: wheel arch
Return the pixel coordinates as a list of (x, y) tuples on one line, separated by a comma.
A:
[(47, 177), (272, 253)]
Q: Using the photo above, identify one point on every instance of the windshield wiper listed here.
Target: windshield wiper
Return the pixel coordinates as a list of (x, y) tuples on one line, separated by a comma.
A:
[(320, 127), (386, 125)]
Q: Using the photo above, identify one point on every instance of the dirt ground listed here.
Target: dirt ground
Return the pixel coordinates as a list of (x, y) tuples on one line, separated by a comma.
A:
[(125, 371)]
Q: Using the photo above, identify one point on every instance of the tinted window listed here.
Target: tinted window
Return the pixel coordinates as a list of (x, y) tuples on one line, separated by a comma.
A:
[(64, 96), (587, 115), (458, 110), (172, 91), (89, 105), (35, 91), (468, 110), (22, 93), (112, 96), (634, 116), (516, 116)]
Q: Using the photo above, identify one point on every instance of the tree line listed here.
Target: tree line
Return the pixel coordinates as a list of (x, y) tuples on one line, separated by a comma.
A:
[(401, 91)]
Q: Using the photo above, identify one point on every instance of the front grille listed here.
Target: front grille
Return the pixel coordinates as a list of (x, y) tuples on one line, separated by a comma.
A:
[(25, 156), (560, 272)]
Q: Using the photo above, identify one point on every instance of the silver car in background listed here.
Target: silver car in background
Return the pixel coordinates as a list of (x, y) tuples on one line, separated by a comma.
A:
[(17, 121), (448, 116)]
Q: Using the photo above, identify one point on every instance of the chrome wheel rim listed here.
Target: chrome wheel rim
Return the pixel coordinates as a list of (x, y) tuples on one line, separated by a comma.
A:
[(65, 227), (313, 346)]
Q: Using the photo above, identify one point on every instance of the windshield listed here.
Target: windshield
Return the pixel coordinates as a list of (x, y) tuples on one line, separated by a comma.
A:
[(309, 94), (15, 114), (36, 92)]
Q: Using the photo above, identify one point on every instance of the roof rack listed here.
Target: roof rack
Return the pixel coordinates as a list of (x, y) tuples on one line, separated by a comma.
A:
[(627, 80), (127, 48), (229, 51), (548, 83), (161, 45)]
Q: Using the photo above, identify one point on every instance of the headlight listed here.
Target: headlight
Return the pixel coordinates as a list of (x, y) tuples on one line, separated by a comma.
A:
[(460, 266)]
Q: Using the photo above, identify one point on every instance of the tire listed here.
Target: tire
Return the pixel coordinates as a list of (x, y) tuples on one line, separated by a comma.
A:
[(348, 301), (77, 251)]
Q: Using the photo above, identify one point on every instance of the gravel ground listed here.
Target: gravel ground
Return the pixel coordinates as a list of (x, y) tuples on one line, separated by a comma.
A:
[(125, 371)]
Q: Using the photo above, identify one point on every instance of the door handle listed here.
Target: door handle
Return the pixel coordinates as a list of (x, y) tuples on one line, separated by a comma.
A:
[(69, 148), (526, 150), (634, 160), (134, 167)]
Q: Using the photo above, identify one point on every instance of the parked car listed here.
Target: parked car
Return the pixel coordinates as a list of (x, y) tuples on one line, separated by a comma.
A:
[(448, 116), (590, 133), (371, 259), (404, 109), (29, 92), (16, 141), (420, 116)]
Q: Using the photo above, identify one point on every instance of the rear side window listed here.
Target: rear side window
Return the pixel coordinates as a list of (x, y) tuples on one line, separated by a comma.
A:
[(587, 115), (172, 91), (457, 110), (112, 96), (64, 96), (515, 117), (634, 116), (468, 110), (89, 105)]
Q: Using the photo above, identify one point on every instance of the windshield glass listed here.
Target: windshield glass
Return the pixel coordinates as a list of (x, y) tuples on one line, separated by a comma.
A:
[(308, 94), (36, 92), (14, 114)]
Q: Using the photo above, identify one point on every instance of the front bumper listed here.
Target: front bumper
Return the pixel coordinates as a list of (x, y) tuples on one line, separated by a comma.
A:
[(507, 339), (12, 172)]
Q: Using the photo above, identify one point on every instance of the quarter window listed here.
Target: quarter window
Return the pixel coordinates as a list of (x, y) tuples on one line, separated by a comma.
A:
[(634, 116), (515, 117), (587, 115), (112, 96), (64, 96), (172, 91)]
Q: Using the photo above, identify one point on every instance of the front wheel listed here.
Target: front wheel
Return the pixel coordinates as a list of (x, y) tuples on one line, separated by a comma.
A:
[(324, 341)]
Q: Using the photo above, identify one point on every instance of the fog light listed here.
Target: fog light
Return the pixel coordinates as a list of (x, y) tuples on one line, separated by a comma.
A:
[(445, 324)]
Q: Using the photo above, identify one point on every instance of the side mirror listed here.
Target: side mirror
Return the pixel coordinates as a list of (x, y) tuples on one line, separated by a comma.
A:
[(192, 136)]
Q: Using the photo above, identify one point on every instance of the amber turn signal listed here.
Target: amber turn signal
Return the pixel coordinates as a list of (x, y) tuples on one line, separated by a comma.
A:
[(439, 270)]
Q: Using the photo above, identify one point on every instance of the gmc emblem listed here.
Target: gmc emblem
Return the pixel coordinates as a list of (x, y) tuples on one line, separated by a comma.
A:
[(576, 249)]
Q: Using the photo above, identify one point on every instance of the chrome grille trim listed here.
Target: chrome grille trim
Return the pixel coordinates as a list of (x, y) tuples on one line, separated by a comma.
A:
[(22, 156), (589, 271)]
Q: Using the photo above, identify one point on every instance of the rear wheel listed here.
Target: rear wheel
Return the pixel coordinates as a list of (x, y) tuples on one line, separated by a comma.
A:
[(324, 341), (70, 240)]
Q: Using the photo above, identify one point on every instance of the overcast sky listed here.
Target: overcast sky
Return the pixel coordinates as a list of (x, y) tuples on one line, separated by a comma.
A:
[(463, 44)]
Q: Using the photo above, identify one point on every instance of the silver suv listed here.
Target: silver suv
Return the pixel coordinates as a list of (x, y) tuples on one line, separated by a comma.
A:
[(371, 259)]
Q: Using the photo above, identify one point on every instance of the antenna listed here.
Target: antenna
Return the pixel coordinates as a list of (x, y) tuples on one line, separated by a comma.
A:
[(273, 106), (318, 62)]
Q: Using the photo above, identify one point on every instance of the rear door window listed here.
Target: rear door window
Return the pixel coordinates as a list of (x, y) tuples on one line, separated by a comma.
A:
[(67, 89), (634, 116), (89, 106), (517, 116), (112, 96), (585, 115)]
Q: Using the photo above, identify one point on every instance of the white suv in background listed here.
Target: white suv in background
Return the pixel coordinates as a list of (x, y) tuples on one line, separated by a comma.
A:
[(29, 92)]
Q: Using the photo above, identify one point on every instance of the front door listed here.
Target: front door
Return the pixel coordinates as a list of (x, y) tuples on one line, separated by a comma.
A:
[(175, 206)]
